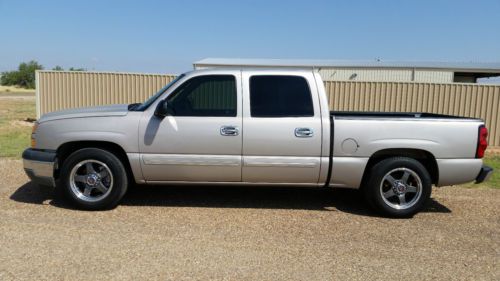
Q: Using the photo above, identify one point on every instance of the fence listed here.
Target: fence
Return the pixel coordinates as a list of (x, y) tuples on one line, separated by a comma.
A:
[(471, 100), (60, 90), (56, 90)]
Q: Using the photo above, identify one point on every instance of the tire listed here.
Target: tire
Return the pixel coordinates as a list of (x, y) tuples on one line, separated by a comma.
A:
[(398, 187), (93, 179)]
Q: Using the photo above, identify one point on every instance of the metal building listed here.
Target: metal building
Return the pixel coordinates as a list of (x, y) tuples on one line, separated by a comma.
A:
[(375, 71)]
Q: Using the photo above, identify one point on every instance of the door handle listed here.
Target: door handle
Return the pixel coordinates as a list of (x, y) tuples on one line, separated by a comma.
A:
[(229, 131), (304, 132)]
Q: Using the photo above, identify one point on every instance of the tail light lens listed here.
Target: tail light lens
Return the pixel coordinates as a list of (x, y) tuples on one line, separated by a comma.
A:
[(482, 142)]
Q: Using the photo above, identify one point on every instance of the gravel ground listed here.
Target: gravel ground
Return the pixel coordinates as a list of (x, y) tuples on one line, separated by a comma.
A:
[(206, 233)]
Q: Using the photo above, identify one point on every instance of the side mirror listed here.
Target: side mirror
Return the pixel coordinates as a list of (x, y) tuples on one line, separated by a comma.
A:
[(163, 109)]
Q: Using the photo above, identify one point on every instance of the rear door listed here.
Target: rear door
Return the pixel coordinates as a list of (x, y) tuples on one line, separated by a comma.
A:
[(281, 127)]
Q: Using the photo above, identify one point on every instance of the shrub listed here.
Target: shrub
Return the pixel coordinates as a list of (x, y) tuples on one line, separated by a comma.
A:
[(23, 77), (76, 69)]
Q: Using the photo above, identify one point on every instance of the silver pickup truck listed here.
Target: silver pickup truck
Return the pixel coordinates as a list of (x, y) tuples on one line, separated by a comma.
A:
[(244, 126)]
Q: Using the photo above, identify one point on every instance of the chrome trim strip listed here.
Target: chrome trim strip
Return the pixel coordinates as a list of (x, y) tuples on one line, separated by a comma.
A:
[(281, 161), (191, 159)]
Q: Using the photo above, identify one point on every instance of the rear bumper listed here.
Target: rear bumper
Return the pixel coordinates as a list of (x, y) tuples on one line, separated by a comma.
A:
[(39, 165), (484, 174)]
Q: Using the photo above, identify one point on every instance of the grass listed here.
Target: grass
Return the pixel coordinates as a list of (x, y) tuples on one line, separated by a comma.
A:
[(15, 135), (494, 181), (14, 89)]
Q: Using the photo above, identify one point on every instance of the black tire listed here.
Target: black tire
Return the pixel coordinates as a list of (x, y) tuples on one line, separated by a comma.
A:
[(391, 196), (118, 184)]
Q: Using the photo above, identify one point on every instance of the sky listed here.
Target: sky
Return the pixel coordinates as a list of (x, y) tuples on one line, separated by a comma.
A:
[(167, 37)]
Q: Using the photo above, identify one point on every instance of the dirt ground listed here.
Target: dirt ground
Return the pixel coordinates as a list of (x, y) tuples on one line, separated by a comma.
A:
[(227, 233)]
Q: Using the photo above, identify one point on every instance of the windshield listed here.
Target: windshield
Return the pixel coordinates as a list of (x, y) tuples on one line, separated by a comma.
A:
[(152, 99)]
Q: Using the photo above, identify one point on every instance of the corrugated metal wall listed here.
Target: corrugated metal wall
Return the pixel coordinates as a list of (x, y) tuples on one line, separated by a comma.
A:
[(58, 90), (61, 90), (471, 100)]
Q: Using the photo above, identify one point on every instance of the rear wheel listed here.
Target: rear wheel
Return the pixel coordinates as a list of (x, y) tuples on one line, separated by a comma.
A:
[(398, 187), (93, 179)]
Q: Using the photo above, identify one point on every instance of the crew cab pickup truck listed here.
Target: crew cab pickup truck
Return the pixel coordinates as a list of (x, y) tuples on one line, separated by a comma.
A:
[(253, 126)]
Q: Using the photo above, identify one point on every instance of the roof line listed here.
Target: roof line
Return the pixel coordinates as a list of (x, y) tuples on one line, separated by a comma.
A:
[(107, 72), (456, 66)]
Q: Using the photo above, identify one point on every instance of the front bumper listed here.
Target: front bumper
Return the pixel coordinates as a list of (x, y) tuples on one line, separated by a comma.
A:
[(484, 174), (39, 165)]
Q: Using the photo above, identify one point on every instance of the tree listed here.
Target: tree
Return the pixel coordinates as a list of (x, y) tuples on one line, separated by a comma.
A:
[(60, 68), (23, 77), (76, 69)]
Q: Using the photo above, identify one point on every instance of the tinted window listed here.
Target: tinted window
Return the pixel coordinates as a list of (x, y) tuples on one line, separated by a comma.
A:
[(280, 96), (211, 95)]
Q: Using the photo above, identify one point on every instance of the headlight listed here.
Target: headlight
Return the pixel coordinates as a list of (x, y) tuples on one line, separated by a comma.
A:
[(35, 126)]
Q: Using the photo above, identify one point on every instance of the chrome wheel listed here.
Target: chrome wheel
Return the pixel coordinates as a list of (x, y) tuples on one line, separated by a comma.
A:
[(401, 188), (91, 180)]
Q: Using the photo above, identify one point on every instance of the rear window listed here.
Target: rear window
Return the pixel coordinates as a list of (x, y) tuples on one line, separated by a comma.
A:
[(280, 96)]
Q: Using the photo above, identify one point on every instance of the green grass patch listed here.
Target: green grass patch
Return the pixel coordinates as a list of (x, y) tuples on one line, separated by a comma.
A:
[(494, 181), (15, 134), (13, 142)]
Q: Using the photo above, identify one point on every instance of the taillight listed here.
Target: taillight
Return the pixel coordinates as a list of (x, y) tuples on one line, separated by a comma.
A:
[(482, 142)]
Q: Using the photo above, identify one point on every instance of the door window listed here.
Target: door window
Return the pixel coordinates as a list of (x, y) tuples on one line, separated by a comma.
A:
[(209, 95), (280, 96)]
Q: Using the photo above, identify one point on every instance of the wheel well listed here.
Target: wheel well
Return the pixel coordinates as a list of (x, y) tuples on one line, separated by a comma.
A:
[(65, 150), (424, 157)]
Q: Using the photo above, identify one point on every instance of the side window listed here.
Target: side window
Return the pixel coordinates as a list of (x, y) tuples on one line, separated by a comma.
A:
[(210, 95), (280, 96)]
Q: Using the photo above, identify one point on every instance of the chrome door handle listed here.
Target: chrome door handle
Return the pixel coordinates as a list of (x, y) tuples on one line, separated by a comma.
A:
[(304, 132), (229, 131)]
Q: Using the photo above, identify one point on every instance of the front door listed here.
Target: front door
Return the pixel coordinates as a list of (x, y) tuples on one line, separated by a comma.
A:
[(201, 139), (282, 128)]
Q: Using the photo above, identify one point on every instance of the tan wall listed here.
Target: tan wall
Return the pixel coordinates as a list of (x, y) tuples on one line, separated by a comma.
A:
[(471, 100), (61, 90), (58, 90)]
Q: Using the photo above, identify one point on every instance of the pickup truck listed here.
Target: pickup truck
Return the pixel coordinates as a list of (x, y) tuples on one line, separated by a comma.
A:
[(253, 126)]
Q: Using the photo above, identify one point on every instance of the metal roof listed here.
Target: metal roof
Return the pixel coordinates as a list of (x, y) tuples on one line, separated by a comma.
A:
[(490, 67)]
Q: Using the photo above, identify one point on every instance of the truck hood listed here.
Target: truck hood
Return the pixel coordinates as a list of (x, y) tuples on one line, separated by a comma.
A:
[(96, 111)]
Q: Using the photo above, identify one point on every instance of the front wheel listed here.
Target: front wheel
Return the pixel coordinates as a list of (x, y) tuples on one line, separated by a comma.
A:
[(93, 179), (398, 187)]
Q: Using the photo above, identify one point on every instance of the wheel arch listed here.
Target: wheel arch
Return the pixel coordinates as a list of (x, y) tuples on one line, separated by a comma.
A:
[(426, 158), (66, 149)]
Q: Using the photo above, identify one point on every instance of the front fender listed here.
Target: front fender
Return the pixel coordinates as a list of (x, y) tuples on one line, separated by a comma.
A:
[(121, 130)]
